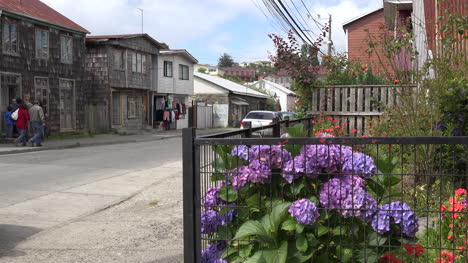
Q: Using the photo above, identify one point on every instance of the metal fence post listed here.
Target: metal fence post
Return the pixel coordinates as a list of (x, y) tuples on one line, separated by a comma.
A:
[(309, 126), (276, 128), (248, 127), (189, 191), (287, 121)]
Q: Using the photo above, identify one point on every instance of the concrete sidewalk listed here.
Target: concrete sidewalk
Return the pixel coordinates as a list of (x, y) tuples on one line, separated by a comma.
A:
[(102, 139), (144, 228)]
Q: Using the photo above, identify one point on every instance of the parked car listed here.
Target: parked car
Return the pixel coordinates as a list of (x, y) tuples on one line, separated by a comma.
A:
[(284, 114), (259, 118)]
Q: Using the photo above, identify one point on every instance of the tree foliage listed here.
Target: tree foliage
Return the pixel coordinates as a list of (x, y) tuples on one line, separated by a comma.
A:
[(225, 60)]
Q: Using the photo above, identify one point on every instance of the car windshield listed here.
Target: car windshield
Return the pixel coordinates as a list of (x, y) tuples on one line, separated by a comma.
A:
[(260, 115), (287, 114)]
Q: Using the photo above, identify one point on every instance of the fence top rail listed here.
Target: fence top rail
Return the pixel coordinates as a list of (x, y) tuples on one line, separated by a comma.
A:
[(245, 131), (367, 86), (459, 140)]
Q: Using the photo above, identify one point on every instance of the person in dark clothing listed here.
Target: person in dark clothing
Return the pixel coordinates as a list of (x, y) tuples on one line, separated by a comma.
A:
[(15, 104), (9, 123), (22, 125)]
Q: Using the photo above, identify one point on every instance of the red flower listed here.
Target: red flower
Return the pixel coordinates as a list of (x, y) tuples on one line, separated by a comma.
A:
[(451, 225), (449, 237), (443, 208), (340, 132), (335, 121), (461, 247), (329, 130), (390, 258), (396, 81), (439, 260), (313, 122), (449, 257), (457, 208), (414, 249), (453, 200), (460, 191), (353, 130), (466, 241), (364, 135), (455, 216), (330, 118), (320, 121), (337, 127), (344, 123), (364, 67)]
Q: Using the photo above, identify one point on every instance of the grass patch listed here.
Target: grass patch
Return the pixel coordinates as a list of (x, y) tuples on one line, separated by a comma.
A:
[(154, 203)]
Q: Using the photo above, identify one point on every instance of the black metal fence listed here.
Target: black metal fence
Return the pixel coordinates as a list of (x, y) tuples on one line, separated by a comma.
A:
[(385, 199)]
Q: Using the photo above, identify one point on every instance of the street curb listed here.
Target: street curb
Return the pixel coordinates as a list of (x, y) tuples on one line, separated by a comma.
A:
[(78, 144)]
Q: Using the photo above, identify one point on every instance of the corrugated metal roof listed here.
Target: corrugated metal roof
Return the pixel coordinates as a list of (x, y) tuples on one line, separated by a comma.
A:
[(278, 86), (40, 11), (231, 86), (125, 36)]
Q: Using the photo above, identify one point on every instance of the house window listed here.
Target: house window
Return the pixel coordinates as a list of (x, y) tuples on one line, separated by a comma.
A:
[(139, 62), (66, 49), (183, 72), (42, 44), (119, 59), (41, 86), (10, 39), (167, 69), (67, 104)]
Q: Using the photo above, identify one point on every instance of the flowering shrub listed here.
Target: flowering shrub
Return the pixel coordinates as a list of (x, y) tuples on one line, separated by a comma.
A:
[(277, 203), (331, 126)]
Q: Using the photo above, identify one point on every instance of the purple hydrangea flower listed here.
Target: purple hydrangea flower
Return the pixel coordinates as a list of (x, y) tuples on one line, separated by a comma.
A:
[(322, 157), (289, 170), (348, 198), (242, 151), (259, 172), (304, 211), (353, 180), (359, 164), (273, 155), (210, 220), (239, 176), (212, 253), (401, 214), (211, 199)]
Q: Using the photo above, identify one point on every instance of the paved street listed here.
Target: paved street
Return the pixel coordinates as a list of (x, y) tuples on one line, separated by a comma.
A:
[(50, 189)]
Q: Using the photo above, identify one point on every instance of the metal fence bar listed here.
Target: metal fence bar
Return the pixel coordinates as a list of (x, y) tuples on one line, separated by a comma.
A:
[(188, 147)]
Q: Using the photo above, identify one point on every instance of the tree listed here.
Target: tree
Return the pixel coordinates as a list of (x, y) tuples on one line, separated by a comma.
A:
[(164, 45), (225, 60), (202, 70)]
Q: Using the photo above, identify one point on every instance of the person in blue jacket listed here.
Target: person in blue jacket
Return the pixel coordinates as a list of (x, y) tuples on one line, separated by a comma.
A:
[(9, 123)]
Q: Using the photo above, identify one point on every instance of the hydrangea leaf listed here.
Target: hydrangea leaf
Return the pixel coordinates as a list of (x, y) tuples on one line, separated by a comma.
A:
[(390, 181), (299, 228), (322, 230), (228, 252), (374, 239), (223, 233), (278, 214), (245, 251), (289, 225), (340, 231), (301, 243), (277, 255), (254, 228), (217, 177), (227, 193), (344, 254)]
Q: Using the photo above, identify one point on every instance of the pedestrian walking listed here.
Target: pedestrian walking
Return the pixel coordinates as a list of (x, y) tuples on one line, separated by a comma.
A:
[(14, 106), (22, 125), (9, 123), (37, 118)]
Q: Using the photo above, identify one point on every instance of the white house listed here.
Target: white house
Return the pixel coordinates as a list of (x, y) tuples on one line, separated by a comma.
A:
[(175, 84), (212, 70), (285, 96), (231, 101)]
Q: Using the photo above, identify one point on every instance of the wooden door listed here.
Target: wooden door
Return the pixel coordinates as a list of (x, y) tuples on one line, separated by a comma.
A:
[(67, 105)]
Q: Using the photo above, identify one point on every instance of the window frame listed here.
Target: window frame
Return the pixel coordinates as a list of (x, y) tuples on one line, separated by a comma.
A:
[(166, 67), (68, 60), (44, 48), (181, 72), (118, 53), (139, 62), (7, 45)]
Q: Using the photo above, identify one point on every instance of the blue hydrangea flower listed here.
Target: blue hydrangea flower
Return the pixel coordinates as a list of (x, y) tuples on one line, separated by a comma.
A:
[(348, 198), (401, 214), (359, 164), (212, 253), (211, 199), (211, 220), (242, 151), (259, 172), (239, 177), (322, 158), (304, 211)]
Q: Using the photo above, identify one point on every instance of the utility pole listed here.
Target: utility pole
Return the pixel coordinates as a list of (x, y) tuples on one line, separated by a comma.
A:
[(330, 43), (141, 19)]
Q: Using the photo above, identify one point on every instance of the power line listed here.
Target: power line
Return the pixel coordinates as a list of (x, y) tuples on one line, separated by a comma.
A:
[(295, 23), (303, 27)]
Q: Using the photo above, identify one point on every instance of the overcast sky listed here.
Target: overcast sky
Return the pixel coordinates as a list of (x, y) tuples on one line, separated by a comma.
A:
[(206, 28)]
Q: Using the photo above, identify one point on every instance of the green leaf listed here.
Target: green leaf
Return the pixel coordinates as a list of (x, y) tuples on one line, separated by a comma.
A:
[(228, 252), (219, 165), (217, 177), (245, 251), (297, 131), (313, 242), (322, 230), (340, 231), (390, 181), (375, 187), (251, 228), (344, 254), (256, 258), (278, 214), (223, 233), (289, 225), (367, 255), (253, 200), (277, 255), (296, 188), (375, 240), (299, 228), (301, 243), (227, 193)]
